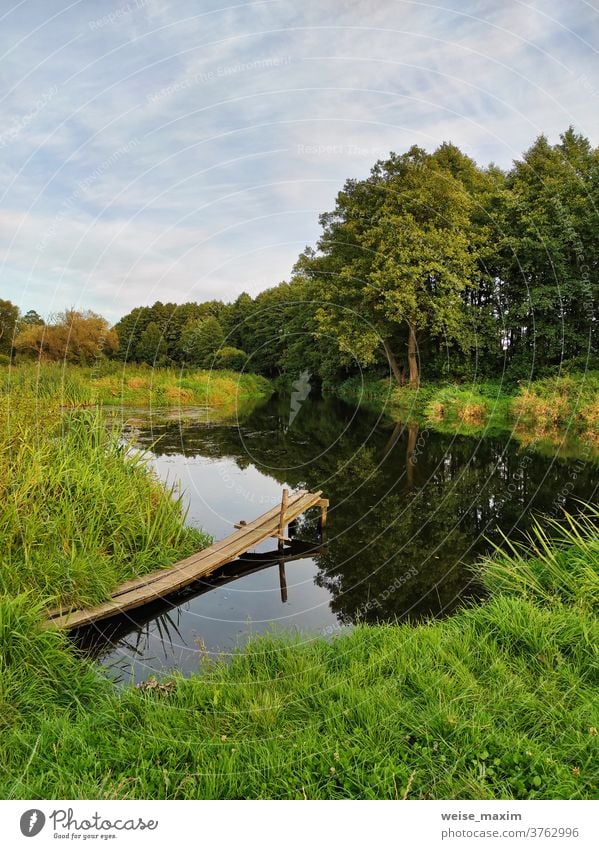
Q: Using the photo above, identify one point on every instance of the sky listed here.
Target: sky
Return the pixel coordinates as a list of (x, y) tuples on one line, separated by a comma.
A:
[(178, 151)]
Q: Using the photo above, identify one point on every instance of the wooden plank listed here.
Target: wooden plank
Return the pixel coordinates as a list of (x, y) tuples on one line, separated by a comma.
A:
[(158, 584)]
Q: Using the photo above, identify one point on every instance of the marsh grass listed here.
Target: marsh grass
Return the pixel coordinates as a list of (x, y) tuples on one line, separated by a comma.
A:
[(112, 383), (558, 415), (559, 406), (79, 512), (558, 562)]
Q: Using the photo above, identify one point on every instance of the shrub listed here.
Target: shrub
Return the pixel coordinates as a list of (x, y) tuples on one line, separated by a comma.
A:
[(230, 358)]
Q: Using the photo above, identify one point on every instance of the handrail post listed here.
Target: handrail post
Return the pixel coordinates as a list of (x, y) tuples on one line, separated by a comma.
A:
[(282, 515), (322, 522)]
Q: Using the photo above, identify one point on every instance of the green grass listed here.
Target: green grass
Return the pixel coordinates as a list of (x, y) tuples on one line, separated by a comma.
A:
[(79, 513), (556, 415), (111, 383), (499, 701)]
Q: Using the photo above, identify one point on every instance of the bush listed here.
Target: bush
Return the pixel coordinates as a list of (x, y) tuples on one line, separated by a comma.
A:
[(230, 358)]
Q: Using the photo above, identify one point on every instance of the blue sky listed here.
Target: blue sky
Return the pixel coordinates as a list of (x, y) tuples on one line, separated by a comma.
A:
[(183, 151)]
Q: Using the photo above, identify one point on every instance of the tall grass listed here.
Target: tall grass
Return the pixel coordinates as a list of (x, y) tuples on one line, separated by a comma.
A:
[(112, 383), (78, 512), (556, 413), (558, 406), (558, 562)]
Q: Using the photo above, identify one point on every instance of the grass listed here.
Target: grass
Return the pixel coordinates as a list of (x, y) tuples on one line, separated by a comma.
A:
[(112, 383), (499, 701), (79, 513), (559, 406), (557, 414)]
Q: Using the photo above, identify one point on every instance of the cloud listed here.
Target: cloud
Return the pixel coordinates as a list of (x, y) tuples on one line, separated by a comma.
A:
[(174, 152)]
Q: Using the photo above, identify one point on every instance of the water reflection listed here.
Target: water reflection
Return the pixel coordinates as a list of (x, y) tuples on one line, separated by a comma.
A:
[(409, 509)]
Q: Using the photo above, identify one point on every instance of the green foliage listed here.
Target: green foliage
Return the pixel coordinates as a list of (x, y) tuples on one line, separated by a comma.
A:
[(396, 258), (151, 348), (9, 315), (547, 250), (201, 340), (557, 563), (230, 358), (559, 413)]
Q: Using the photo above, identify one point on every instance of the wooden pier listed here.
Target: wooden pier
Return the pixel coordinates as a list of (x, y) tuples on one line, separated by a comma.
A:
[(164, 582)]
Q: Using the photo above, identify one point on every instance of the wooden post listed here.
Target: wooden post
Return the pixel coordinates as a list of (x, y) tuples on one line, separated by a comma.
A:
[(283, 581), (322, 522), (284, 503)]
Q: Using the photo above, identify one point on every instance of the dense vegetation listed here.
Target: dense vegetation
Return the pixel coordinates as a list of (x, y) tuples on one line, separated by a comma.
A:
[(499, 701), (560, 413), (79, 514), (109, 383)]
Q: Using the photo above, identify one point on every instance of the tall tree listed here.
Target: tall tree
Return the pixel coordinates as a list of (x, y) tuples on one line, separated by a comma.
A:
[(550, 253), (201, 340), (394, 259), (151, 348)]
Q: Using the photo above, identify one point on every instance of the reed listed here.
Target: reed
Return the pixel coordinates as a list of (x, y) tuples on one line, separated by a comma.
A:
[(80, 511)]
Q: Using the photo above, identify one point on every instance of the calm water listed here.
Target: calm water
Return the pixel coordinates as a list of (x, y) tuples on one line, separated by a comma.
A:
[(409, 510)]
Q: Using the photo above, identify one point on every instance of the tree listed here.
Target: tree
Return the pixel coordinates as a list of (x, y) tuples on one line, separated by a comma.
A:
[(394, 259), (30, 319), (73, 336), (9, 314), (549, 250), (151, 348), (230, 358), (201, 340)]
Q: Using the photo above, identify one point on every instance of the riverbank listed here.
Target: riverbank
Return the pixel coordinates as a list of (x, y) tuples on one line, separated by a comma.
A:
[(557, 414), (79, 514), (113, 384), (498, 701)]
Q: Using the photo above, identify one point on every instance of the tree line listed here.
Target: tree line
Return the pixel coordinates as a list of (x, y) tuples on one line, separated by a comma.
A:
[(431, 265)]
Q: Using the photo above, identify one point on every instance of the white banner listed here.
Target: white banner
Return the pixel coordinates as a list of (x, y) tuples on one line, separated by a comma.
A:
[(348, 824)]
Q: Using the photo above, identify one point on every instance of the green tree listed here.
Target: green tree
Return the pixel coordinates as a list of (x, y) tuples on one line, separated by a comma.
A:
[(30, 319), (550, 251), (230, 358), (200, 341), (151, 348), (9, 315), (394, 259)]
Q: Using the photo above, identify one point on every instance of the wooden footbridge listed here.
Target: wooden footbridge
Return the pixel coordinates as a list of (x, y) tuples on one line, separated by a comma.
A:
[(164, 582)]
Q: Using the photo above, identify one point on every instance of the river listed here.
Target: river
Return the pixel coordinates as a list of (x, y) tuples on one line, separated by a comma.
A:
[(410, 512)]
